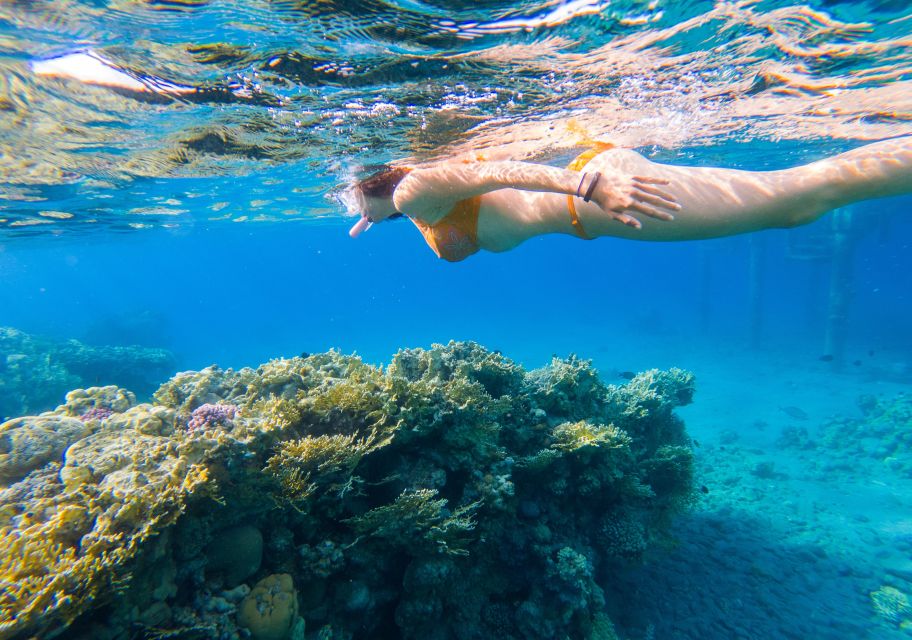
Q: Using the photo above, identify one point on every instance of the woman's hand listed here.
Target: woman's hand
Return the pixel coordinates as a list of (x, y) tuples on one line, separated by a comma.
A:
[(619, 193)]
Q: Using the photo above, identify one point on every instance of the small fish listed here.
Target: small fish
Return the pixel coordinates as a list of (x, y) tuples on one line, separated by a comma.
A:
[(857, 363), (794, 412), (304, 354), (870, 353), (696, 442), (627, 375), (704, 488), (826, 357)]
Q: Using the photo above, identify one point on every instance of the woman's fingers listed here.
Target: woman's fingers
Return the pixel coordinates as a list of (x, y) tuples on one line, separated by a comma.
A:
[(650, 211), (642, 197), (650, 180), (629, 220), (655, 200), (667, 197)]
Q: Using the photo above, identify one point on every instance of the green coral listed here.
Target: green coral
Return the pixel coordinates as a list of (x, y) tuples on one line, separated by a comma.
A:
[(319, 464), (418, 521), (36, 372), (881, 434)]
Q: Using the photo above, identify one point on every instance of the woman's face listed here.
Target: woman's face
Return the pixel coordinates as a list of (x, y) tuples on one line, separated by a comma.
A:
[(376, 209)]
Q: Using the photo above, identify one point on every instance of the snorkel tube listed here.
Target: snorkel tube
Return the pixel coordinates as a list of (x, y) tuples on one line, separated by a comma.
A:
[(360, 227), (354, 206)]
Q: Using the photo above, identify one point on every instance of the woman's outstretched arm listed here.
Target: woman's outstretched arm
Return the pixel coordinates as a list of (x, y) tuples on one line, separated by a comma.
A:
[(430, 193), (719, 202)]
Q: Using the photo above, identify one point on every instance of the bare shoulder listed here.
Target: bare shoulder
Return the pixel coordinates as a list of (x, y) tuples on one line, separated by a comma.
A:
[(422, 194)]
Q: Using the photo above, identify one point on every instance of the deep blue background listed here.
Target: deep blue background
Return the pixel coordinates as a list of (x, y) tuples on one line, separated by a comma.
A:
[(238, 294)]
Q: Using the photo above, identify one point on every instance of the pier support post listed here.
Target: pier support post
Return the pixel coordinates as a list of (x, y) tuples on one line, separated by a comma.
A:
[(755, 276), (841, 283)]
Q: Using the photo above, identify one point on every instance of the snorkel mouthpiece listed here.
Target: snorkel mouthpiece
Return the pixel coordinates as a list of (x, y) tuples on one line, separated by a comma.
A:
[(360, 227)]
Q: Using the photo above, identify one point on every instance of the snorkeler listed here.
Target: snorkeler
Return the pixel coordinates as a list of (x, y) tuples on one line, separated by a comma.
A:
[(461, 208)]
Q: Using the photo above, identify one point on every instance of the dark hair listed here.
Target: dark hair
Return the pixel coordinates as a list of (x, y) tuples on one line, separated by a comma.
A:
[(383, 183)]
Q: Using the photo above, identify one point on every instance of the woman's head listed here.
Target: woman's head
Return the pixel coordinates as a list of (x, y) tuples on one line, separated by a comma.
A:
[(383, 183), (373, 197)]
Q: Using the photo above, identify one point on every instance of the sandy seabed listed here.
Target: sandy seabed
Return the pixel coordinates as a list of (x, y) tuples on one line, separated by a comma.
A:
[(786, 542)]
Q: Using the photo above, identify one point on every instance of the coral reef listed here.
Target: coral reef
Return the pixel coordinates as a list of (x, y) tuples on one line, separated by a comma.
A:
[(36, 372), (881, 433), (452, 494)]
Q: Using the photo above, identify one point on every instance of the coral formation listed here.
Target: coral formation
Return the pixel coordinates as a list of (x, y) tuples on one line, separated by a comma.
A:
[(212, 416), (452, 494), (36, 372), (270, 611), (892, 605), (882, 432), (235, 553)]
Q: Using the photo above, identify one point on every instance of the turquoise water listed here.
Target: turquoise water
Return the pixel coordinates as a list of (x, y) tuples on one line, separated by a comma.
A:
[(204, 227)]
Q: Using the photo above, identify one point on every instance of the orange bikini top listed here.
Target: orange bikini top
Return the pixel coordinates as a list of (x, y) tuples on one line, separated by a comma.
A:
[(455, 236)]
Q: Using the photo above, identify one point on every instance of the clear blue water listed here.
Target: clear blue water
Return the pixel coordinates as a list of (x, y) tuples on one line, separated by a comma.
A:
[(246, 257), (237, 295)]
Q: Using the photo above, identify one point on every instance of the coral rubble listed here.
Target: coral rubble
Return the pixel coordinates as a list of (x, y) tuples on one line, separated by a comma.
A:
[(452, 494)]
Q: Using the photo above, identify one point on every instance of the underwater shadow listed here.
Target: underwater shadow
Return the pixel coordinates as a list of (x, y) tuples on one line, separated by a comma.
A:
[(731, 577)]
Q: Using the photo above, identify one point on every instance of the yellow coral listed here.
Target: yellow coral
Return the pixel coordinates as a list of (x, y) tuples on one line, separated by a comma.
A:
[(63, 552), (276, 414), (270, 611), (571, 436)]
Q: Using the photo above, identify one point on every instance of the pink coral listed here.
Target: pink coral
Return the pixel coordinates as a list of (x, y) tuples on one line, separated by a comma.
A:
[(208, 415), (96, 413)]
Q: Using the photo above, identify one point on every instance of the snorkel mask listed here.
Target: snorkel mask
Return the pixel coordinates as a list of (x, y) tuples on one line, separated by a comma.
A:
[(359, 198)]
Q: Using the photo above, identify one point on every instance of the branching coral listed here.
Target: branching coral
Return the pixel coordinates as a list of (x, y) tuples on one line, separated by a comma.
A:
[(419, 522), (320, 465), (58, 552)]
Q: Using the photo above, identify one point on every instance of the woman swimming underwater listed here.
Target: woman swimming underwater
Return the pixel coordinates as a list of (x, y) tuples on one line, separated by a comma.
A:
[(461, 208)]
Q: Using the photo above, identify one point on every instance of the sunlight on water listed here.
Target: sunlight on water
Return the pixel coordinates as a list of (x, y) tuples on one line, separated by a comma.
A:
[(104, 110)]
